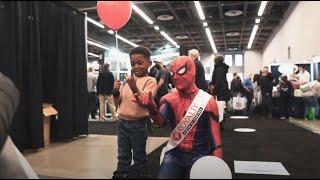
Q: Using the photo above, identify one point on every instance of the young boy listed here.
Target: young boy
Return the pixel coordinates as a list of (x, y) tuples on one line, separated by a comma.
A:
[(132, 125)]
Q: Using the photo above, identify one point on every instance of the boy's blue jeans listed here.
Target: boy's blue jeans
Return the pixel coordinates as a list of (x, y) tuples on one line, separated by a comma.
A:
[(132, 135)]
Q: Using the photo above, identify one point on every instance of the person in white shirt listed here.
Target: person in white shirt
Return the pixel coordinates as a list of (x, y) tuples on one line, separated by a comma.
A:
[(91, 83), (303, 76)]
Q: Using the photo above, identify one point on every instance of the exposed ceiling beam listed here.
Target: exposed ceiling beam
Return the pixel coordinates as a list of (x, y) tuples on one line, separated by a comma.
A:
[(93, 4), (245, 9), (208, 5), (222, 23), (186, 21), (187, 10), (152, 16), (193, 40), (179, 22), (172, 10), (145, 31)]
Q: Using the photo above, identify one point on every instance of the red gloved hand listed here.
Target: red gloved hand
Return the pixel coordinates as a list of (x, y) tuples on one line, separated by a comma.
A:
[(146, 100), (218, 152)]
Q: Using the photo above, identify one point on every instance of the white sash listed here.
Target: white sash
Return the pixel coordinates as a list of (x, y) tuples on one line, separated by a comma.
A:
[(193, 114)]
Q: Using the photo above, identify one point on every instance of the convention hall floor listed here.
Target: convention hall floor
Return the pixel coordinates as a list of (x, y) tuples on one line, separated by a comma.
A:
[(294, 143)]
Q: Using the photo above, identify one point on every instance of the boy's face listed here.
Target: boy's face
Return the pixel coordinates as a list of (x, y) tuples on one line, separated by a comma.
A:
[(140, 64)]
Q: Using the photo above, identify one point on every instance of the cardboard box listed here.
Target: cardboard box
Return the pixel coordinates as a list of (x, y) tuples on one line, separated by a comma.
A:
[(48, 111)]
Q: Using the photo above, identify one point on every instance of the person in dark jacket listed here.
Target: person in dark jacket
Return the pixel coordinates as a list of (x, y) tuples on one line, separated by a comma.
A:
[(266, 84), (105, 92), (219, 85), (286, 96), (219, 79), (153, 71), (237, 86), (200, 81)]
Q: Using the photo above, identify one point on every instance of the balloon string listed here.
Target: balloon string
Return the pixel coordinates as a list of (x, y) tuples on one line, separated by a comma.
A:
[(117, 41), (118, 73)]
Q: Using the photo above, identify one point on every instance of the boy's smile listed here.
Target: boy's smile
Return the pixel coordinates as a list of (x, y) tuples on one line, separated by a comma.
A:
[(139, 65)]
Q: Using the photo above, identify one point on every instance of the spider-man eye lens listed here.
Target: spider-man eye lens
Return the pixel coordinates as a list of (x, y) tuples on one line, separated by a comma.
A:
[(182, 71), (171, 73)]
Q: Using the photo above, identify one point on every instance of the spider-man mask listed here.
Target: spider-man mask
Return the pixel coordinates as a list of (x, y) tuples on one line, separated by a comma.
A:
[(183, 72)]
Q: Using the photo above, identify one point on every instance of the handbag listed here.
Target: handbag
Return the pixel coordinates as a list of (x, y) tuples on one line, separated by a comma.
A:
[(308, 86), (239, 103), (221, 107)]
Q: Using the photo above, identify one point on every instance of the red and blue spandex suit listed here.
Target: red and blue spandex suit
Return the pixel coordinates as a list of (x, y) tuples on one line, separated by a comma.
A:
[(204, 137)]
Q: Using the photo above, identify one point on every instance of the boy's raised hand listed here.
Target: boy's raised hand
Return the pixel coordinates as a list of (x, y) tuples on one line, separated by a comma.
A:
[(131, 80)]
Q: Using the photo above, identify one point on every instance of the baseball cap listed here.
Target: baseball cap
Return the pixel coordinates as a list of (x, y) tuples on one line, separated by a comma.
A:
[(158, 60)]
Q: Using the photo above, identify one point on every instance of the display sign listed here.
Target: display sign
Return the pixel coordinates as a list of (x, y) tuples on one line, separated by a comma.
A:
[(258, 167)]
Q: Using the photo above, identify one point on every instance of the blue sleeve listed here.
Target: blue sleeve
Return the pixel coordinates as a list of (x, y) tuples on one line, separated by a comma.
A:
[(168, 113)]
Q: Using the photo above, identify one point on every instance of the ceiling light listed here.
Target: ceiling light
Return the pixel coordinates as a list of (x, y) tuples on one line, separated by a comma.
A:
[(135, 40), (111, 32), (167, 46), (91, 54), (262, 7), (183, 36), (95, 22), (169, 38), (231, 34), (156, 28), (142, 14), (199, 9), (253, 34), (211, 40), (233, 13), (257, 21), (127, 41), (165, 17), (177, 46), (205, 24), (98, 45), (232, 49)]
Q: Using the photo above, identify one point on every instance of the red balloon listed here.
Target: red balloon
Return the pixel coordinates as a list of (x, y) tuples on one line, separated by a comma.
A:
[(114, 14)]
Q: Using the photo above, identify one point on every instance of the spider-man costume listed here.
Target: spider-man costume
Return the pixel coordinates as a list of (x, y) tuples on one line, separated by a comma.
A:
[(204, 137)]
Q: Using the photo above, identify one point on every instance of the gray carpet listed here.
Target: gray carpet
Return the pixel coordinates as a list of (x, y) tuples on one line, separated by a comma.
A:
[(274, 141), (110, 128)]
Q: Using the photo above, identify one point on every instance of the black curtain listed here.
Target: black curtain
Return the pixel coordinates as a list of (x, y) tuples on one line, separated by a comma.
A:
[(20, 60), (43, 52), (65, 69)]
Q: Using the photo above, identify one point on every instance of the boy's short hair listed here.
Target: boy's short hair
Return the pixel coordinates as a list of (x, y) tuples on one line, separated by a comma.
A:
[(141, 50)]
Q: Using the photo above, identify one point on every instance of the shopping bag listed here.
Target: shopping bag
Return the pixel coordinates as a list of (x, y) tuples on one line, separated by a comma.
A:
[(259, 98), (221, 106), (311, 113), (308, 86), (239, 103), (298, 93)]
